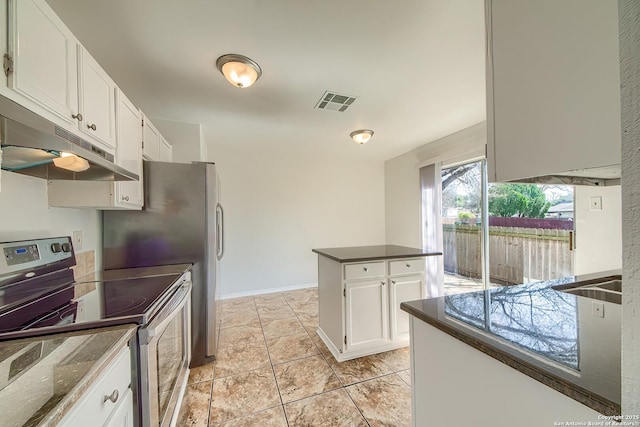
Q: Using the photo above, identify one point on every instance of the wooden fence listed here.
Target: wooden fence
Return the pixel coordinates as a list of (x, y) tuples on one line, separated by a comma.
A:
[(516, 255)]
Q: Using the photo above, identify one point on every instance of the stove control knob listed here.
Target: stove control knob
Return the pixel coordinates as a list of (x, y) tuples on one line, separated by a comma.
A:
[(55, 248), (66, 247)]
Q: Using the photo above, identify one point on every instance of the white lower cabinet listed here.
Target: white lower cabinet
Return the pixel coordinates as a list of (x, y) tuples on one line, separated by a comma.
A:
[(359, 304), (108, 402), (366, 313), (403, 289)]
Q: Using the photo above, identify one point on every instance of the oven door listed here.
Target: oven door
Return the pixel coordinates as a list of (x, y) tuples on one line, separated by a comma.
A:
[(165, 353)]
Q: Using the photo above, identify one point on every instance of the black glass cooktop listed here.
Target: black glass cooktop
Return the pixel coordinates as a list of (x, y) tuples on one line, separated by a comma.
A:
[(89, 304)]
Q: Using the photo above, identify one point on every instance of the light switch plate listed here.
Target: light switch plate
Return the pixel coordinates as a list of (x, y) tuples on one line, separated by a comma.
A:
[(597, 308), (595, 203)]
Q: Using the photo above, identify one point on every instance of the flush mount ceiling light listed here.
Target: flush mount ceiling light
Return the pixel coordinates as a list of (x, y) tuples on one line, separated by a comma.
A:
[(361, 136), (239, 70)]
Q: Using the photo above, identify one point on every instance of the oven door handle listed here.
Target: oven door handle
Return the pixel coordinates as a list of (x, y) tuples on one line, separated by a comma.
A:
[(167, 314)]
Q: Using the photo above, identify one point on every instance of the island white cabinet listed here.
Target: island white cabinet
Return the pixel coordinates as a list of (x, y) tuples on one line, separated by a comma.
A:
[(42, 58), (109, 400), (553, 87), (359, 303), (96, 93)]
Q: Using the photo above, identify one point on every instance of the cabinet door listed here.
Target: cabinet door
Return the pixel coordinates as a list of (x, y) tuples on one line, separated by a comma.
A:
[(123, 415), (150, 140), (97, 100), (166, 150), (553, 87), (403, 289), (45, 58), (129, 153), (366, 313)]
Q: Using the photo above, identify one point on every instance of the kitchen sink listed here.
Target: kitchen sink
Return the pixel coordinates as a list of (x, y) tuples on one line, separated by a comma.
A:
[(608, 289)]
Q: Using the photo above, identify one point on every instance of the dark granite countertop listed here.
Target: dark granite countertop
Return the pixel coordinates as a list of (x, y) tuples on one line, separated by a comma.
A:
[(551, 336), (367, 253), (46, 376)]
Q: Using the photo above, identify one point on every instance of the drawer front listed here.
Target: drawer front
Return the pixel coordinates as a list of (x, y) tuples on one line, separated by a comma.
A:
[(406, 266), (364, 270), (92, 409)]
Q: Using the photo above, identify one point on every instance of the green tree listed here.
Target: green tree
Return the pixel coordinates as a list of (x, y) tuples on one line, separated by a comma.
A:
[(522, 200)]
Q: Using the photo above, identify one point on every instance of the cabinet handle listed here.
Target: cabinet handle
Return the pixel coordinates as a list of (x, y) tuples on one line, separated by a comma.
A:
[(77, 116), (393, 282), (408, 265), (112, 397), (365, 269), (125, 198), (92, 127), (382, 282)]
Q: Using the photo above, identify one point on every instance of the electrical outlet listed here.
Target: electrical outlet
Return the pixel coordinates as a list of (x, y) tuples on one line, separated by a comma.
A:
[(77, 240), (597, 308), (595, 203)]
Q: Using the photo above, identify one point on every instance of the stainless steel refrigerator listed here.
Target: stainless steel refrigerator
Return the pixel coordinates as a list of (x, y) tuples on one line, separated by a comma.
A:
[(181, 222)]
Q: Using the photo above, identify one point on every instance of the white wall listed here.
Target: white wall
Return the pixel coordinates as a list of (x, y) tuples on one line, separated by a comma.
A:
[(186, 139), (24, 214), (598, 232), (629, 11), (280, 206), (402, 180)]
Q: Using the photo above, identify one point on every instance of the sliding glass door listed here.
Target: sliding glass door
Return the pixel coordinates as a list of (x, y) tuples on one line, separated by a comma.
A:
[(526, 237)]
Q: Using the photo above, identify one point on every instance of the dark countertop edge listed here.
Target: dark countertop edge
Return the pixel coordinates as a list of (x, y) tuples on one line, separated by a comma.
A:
[(58, 412), (577, 393), (375, 258)]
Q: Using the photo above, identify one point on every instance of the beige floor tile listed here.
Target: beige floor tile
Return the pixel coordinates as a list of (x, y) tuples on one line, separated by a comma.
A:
[(239, 335), (195, 405), (243, 394), (398, 359), (273, 417), (242, 317), (245, 302), (384, 401), (307, 319), (320, 345), (309, 305), (275, 312), (270, 300), (290, 347), (405, 376), (304, 377), (242, 357), (281, 327), (331, 409), (360, 369), (201, 373)]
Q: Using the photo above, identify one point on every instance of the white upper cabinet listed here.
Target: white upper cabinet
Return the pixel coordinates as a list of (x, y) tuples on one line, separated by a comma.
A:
[(97, 100), (553, 86), (166, 150), (44, 56), (129, 153), (150, 140)]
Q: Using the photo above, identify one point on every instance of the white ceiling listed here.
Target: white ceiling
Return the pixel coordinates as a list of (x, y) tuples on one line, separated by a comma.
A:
[(416, 66)]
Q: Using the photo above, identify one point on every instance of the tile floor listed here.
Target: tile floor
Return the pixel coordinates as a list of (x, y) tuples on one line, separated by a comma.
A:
[(272, 370)]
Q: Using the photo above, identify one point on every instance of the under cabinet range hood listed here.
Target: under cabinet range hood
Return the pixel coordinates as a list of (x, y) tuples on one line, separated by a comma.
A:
[(599, 176), (32, 145)]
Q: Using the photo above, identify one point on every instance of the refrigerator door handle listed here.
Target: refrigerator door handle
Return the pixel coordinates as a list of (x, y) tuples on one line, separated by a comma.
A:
[(220, 225)]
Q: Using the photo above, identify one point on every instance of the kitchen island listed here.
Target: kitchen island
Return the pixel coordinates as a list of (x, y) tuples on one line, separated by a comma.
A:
[(67, 379), (359, 294), (526, 355)]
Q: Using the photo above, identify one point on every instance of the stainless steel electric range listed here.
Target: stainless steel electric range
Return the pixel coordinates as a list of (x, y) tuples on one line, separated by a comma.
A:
[(39, 296)]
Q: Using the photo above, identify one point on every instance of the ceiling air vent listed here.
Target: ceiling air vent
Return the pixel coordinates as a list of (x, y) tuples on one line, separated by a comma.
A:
[(335, 102)]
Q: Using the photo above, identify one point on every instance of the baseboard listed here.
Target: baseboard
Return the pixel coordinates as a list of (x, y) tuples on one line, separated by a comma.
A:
[(267, 291)]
